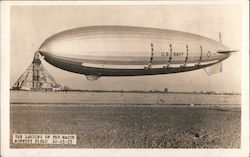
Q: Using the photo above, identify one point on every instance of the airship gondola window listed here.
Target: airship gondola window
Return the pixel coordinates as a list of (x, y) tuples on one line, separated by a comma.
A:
[(208, 53)]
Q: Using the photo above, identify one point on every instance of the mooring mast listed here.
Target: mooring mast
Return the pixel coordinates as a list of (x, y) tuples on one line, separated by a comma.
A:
[(36, 77)]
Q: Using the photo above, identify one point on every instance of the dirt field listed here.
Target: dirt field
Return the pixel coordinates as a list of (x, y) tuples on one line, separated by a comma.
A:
[(130, 126)]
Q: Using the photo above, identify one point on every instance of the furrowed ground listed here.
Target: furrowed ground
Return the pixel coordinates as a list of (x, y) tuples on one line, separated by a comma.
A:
[(130, 126)]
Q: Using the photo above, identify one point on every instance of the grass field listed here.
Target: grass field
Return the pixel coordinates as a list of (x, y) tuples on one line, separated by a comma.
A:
[(130, 126), (38, 97)]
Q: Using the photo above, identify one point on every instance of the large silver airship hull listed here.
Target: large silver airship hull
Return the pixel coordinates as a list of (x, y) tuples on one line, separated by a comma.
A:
[(130, 51)]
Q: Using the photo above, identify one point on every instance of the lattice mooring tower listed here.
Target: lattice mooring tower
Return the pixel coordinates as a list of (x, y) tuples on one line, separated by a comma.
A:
[(36, 77)]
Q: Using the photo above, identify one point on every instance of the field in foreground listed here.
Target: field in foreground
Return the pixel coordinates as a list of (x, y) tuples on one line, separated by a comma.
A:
[(130, 126)]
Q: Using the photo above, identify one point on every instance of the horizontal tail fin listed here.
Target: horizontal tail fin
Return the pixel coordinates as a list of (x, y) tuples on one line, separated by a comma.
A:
[(227, 52), (214, 69)]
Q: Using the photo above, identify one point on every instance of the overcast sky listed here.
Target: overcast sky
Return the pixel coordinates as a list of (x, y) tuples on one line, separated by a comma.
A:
[(31, 25)]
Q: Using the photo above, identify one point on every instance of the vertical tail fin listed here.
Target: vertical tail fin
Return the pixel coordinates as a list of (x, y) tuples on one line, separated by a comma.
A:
[(220, 37), (214, 69)]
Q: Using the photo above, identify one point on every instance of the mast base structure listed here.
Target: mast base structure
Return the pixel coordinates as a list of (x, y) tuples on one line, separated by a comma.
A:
[(36, 78)]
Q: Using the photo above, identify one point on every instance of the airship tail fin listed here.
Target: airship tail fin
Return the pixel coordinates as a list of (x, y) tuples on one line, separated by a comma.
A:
[(227, 52), (214, 69)]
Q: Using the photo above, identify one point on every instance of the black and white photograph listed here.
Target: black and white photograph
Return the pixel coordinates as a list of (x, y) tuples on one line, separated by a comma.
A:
[(152, 76)]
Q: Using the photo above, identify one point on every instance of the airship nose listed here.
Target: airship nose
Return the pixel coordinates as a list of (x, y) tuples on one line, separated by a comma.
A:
[(42, 52), (46, 48)]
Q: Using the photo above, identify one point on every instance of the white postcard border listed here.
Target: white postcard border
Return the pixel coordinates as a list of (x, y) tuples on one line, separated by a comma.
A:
[(5, 94)]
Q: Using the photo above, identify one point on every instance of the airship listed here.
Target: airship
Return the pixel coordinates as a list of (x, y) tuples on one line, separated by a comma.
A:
[(97, 51)]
